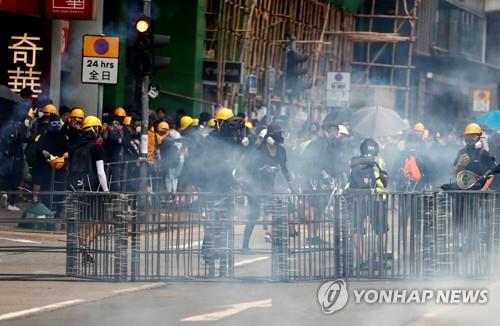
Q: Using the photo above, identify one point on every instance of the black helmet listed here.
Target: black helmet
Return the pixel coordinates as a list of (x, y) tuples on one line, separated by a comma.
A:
[(368, 147)]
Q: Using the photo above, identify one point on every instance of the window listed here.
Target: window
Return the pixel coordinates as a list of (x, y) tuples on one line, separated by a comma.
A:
[(460, 31)]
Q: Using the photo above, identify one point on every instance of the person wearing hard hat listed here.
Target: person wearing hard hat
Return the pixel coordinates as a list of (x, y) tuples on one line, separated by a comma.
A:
[(86, 173), (86, 168), (73, 127), (474, 157), (113, 144), (185, 123)]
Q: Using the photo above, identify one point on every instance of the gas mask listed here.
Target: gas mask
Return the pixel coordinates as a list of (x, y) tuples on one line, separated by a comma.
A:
[(473, 141)]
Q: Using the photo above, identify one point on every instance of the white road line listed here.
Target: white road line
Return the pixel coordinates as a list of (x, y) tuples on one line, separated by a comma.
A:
[(231, 310), (20, 240), (50, 307), (250, 261), (187, 245), (139, 288)]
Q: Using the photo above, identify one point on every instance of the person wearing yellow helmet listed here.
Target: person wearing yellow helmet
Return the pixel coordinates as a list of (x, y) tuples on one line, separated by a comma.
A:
[(224, 114), (49, 109), (113, 137), (73, 128), (474, 157), (86, 173), (185, 123)]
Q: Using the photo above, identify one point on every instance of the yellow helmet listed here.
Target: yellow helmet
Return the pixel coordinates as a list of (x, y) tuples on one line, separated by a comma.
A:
[(120, 112), (211, 123), (56, 162), (224, 114), (472, 129), (419, 127), (77, 113), (195, 123), (127, 120), (91, 121), (50, 109), (185, 122), (249, 125), (163, 126)]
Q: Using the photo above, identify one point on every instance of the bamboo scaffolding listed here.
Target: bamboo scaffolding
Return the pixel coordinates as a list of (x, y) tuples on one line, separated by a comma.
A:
[(257, 33)]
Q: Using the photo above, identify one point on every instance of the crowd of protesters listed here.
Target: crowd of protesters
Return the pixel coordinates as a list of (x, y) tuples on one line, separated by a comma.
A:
[(51, 149), (45, 149)]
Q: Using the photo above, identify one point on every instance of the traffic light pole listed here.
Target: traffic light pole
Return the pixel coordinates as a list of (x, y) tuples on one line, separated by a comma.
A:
[(146, 10)]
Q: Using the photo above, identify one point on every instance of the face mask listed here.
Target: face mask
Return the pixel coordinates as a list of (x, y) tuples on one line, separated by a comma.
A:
[(138, 129), (270, 141), (478, 145)]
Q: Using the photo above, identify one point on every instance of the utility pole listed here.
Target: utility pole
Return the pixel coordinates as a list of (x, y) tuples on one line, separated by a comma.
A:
[(146, 11)]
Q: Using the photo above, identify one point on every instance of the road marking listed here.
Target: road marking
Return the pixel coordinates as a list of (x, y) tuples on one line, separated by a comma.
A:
[(20, 240), (139, 288), (231, 310), (250, 261), (187, 245), (50, 307)]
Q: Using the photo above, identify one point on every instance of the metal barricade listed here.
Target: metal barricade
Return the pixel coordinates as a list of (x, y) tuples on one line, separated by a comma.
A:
[(279, 237)]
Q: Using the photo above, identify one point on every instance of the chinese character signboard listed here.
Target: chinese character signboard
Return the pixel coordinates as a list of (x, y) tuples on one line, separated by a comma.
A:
[(100, 59), (233, 71), (482, 100), (70, 9), (338, 89), (25, 53)]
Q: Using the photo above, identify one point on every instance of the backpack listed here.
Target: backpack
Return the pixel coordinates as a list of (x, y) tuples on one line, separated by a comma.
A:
[(81, 170), (411, 169), (362, 173)]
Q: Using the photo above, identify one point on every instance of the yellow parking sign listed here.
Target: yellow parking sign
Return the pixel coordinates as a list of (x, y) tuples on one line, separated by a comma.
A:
[(101, 46)]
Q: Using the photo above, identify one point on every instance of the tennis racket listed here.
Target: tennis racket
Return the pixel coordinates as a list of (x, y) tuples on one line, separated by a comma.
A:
[(467, 179)]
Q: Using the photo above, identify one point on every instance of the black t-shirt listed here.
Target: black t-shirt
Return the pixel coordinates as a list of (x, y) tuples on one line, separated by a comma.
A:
[(83, 170), (480, 160), (266, 166)]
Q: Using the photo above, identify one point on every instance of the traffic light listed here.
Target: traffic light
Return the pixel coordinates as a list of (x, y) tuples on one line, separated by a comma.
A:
[(295, 85), (160, 41), (143, 60)]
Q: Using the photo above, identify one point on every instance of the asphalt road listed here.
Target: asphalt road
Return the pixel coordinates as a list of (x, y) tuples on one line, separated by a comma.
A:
[(208, 303), (217, 302)]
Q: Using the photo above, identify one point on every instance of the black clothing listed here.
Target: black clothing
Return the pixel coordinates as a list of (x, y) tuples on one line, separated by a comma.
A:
[(83, 170), (480, 161)]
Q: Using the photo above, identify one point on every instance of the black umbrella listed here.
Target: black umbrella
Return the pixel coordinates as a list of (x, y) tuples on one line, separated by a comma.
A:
[(7, 94), (12, 106)]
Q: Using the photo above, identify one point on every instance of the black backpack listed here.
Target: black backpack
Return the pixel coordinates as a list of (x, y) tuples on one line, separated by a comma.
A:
[(81, 170), (362, 173)]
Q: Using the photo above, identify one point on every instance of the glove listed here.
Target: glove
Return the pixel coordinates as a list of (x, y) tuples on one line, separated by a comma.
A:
[(464, 160)]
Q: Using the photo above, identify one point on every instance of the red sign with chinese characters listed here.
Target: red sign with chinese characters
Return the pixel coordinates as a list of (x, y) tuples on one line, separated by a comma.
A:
[(70, 9), (25, 7)]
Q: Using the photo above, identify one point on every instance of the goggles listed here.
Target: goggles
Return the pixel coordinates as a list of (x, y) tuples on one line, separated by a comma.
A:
[(56, 124)]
